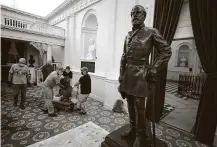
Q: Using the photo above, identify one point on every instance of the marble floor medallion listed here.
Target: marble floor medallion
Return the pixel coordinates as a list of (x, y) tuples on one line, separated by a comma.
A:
[(86, 135)]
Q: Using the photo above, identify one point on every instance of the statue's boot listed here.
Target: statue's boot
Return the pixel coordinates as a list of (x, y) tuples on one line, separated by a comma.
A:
[(131, 130), (143, 130), (142, 139)]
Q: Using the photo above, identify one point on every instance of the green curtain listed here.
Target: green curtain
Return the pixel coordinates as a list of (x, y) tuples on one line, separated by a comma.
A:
[(204, 23)]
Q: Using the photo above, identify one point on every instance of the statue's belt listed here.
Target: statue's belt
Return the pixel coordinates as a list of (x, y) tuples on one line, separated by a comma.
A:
[(138, 62)]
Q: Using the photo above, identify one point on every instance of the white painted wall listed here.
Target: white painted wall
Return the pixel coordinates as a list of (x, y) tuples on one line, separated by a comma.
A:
[(173, 69), (58, 53), (62, 24), (114, 22), (184, 28), (103, 9), (59, 15)]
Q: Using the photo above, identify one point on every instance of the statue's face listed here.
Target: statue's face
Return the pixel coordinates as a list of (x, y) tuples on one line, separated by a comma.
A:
[(137, 15)]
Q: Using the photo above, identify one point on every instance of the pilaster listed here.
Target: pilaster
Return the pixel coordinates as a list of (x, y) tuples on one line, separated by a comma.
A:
[(111, 72), (70, 41), (49, 52)]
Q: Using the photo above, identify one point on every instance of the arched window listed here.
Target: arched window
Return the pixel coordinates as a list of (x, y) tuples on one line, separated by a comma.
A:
[(183, 56)]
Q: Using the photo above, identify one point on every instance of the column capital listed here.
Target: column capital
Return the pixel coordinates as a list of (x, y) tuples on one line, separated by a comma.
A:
[(72, 14), (69, 15)]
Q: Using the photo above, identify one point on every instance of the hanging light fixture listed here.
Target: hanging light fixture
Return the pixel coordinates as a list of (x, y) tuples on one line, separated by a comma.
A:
[(13, 54), (13, 50)]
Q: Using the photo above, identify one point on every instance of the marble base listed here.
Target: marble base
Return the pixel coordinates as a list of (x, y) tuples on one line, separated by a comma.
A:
[(104, 88), (114, 139), (33, 76), (87, 135)]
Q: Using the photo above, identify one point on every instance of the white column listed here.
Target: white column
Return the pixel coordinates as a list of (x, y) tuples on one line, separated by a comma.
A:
[(69, 51), (72, 49), (111, 81), (112, 41), (66, 48), (49, 52)]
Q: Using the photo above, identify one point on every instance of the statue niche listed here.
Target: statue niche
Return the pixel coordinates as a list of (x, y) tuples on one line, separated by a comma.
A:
[(91, 55)]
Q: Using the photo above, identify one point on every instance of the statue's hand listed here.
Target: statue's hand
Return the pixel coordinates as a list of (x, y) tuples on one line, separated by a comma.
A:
[(152, 75), (152, 72), (120, 79), (123, 94), (119, 89)]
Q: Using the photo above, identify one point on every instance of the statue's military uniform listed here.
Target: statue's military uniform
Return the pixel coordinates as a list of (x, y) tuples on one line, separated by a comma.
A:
[(133, 72)]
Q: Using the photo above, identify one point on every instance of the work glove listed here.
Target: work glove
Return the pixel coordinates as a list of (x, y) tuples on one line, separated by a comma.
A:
[(152, 75)]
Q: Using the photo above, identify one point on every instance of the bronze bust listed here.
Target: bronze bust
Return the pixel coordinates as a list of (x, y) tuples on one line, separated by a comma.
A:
[(136, 74), (31, 61)]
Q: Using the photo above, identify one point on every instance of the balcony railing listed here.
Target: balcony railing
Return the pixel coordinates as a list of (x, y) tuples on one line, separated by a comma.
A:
[(37, 27), (55, 65)]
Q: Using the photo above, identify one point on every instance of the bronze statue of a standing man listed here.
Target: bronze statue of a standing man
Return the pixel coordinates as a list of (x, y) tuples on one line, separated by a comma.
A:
[(136, 73)]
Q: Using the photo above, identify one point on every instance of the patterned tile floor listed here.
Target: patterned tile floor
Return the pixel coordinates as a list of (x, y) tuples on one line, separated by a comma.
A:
[(20, 128), (172, 88)]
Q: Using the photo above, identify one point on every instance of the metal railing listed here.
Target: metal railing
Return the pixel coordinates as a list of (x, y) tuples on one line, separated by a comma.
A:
[(39, 77), (191, 86), (55, 65), (32, 26)]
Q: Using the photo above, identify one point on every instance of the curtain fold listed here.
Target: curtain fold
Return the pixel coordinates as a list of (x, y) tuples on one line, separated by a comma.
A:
[(204, 23), (166, 17)]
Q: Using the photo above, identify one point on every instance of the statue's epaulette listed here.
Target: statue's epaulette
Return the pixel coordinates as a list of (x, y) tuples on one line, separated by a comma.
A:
[(151, 28), (130, 33)]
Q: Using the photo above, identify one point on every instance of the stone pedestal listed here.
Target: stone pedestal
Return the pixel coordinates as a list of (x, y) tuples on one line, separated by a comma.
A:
[(33, 76), (89, 64), (114, 139)]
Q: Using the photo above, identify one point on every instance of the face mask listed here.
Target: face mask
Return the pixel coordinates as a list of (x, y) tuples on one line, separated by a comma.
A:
[(21, 64)]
